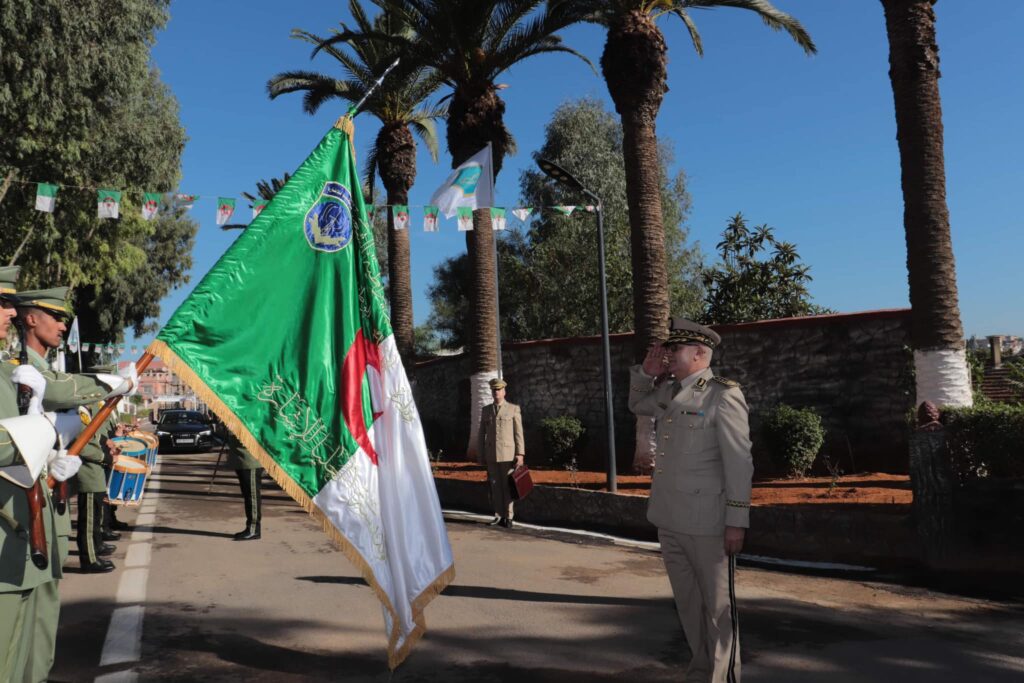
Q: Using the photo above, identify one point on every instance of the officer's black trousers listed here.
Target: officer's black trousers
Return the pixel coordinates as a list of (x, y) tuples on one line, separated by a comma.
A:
[(249, 481), (90, 526)]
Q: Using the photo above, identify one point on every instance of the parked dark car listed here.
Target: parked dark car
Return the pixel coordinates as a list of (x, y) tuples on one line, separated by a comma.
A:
[(184, 430)]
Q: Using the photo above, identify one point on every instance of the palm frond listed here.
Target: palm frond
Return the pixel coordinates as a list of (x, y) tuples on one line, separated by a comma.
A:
[(773, 17)]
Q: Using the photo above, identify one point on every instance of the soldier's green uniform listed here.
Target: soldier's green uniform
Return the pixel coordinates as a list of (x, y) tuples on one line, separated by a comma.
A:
[(249, 473), (64, 391), (21, 582), (92, 487)]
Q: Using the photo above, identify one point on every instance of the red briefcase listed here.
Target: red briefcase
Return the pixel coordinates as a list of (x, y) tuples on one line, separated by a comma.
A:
[(520, 483)]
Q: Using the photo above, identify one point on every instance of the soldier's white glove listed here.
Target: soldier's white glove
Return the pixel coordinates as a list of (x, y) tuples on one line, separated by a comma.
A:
[(68, 424), (63, 466), (33, 379), (132, 375)]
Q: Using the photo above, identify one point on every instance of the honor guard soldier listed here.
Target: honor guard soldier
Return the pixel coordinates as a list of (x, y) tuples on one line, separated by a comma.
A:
[(501, 443), (700, 489), (44, 315), (30, 561), (250, 475), (92, 487)]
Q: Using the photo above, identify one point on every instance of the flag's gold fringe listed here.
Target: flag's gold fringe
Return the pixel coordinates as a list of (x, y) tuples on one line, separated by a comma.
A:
[(231, 421), (345, 125)]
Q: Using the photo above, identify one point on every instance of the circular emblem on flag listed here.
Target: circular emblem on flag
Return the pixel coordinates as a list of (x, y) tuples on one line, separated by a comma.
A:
[(328, 224)]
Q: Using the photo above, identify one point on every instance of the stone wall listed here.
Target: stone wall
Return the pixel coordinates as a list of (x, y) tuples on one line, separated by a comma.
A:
[(854, 369)]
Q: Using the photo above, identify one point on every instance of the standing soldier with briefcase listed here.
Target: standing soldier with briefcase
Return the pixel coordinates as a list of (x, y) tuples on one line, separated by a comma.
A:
[(501, 442)]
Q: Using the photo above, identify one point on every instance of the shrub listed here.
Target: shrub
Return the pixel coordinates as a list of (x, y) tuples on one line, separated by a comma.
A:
[(562, 437), (985, 441), (793, 437)]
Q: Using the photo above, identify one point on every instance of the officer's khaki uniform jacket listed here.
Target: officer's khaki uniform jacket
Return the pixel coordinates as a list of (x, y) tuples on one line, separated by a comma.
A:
[(703, 467), (501, 433)]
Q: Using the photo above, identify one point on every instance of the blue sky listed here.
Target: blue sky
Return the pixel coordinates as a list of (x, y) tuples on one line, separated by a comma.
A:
[(805, 144)]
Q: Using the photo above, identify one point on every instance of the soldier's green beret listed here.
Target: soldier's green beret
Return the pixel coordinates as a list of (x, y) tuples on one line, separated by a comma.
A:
[(683, 331), (53, 300), (9, 280), (497, 383)]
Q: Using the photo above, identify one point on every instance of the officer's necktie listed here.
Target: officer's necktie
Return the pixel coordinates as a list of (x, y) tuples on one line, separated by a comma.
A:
[(677, 386)]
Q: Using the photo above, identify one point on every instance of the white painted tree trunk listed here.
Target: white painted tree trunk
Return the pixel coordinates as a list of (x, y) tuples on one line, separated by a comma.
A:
[(646, 444), (479, 396), (943, 377)]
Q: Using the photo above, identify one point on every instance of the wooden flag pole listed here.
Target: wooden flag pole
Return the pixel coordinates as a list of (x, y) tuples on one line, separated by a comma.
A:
[(99, 418)]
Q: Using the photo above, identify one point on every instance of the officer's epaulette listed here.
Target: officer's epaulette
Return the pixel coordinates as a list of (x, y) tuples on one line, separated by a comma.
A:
[(724, 381)]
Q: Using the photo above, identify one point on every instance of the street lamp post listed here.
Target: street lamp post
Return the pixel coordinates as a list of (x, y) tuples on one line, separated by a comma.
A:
[(560, 175)]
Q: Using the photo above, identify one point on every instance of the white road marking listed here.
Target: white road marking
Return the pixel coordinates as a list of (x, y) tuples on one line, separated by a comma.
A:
[(123, 643)]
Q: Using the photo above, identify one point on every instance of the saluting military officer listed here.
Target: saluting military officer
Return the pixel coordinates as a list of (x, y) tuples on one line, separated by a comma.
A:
[(700, 489), (501, 443), (44, 314), (250, 475), (26, 447)]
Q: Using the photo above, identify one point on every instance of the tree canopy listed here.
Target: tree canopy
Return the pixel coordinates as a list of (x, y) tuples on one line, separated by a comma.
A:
[(81, 106), (752, 283), (548, 272)]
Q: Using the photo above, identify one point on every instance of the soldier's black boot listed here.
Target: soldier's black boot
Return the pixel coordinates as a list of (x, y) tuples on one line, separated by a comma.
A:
[(249, 482), (98, 567), (251, 533)]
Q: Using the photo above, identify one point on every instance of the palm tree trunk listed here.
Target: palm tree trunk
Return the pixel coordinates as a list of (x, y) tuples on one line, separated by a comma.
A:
[(474, 120), (634, 64), (936, 333), (396, 163)]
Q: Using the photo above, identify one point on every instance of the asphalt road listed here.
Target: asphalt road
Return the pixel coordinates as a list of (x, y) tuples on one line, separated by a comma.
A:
[(187, 603)]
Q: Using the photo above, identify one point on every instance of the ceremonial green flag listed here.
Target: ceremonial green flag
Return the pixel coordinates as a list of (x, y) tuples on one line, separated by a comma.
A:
[(287, 339)]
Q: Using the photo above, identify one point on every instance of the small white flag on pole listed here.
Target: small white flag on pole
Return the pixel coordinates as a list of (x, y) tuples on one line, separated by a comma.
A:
[(470, 185)]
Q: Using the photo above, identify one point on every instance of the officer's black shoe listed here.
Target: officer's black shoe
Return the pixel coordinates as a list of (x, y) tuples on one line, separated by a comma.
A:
[(118, 525), (106, 549), (495, 522), (251, 533), (98, 567), (111, 536), (506, 522)]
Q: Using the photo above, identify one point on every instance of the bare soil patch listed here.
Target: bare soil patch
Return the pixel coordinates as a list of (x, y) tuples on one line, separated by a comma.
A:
[(868, 488)]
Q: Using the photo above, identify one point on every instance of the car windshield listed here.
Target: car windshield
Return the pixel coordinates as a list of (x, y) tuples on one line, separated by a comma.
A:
[(181, 418)]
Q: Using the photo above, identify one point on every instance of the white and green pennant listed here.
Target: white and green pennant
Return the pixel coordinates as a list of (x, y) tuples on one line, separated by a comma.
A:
[(46, 197), (108, 203)]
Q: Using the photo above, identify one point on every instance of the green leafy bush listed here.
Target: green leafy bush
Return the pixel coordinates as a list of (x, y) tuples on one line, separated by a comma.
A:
[(986, 440), (562, 437), (793, 437)]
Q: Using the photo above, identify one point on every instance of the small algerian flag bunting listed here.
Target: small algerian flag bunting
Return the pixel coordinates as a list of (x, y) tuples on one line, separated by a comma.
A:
[(400, 215), (225, 209), (185, 201), (465, 218), (46, 197), (590, 208), (563, 210), (108, 203), (135, 351), (522, 213), (120, 348), (430, 218), (150, 205), (497, 218), (258, 207)]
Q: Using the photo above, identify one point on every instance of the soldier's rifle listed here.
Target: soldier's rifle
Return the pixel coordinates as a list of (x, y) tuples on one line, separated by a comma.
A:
[(34, 495)]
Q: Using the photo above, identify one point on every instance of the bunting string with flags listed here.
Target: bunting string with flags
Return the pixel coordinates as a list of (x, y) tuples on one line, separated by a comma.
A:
[(312, 383)]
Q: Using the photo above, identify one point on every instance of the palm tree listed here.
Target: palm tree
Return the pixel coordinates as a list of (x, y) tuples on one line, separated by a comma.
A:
[(635, 68), (265, 190), (936, 334), (399, 104), (469, 44)]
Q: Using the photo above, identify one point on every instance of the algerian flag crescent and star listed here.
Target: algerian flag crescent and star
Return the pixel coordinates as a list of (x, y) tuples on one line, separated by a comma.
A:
[(288, 340)]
